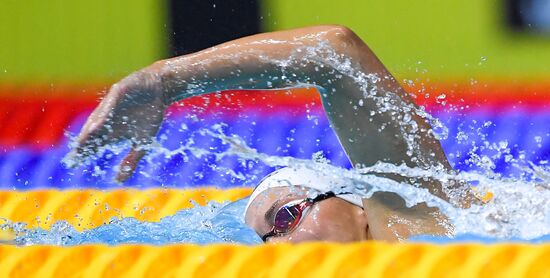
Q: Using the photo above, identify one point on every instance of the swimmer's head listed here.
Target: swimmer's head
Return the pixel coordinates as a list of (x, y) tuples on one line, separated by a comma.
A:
[(300, 204)]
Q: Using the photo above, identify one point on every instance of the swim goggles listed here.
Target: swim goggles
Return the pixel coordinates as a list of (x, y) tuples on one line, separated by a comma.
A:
[(289, 216)]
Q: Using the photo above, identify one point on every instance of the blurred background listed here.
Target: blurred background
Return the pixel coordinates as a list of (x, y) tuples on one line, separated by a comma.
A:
[(482, 67)]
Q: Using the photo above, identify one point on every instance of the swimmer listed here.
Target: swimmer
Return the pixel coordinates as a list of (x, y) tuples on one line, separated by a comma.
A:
[(292, 204)]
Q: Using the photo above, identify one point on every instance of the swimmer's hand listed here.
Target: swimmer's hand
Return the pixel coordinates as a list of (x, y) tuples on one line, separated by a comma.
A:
[(131, 111)]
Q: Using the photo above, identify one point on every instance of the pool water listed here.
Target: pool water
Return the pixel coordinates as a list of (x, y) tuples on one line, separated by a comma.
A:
[(213, 223)]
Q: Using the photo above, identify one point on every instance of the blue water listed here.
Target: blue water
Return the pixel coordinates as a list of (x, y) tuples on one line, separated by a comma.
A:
[(214, 223)]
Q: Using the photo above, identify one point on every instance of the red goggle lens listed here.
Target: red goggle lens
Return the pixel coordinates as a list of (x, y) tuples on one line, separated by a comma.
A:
[(287, 218)]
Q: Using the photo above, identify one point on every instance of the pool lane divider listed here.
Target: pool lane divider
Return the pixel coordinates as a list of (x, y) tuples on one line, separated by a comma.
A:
[(366, 259)]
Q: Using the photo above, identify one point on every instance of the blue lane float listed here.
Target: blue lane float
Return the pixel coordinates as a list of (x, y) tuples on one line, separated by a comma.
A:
[(470, 136)]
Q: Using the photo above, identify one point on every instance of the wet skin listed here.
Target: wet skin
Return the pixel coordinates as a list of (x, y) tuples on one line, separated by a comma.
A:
[(333, 219)]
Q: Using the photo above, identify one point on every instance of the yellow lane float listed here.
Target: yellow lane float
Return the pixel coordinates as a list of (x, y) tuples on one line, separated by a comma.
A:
[(369, 259)]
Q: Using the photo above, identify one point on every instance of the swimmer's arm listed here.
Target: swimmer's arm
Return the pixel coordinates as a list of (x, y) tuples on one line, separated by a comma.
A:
[(262, 61), (311, 57), (134, 107)]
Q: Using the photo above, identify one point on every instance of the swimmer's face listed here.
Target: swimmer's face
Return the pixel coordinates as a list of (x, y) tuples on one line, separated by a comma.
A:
[(332, 219)]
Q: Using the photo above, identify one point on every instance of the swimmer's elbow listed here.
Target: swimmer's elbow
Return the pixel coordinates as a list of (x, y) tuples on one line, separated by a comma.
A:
[(342, 37), (342, 33)]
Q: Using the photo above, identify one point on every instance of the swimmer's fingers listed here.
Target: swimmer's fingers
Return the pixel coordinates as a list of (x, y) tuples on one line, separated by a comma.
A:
[(132, 110), (87, 145), (95, 134), (129, 164)]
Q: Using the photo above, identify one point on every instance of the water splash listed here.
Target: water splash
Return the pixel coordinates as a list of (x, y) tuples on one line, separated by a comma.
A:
[(517, 210), (213, 223)]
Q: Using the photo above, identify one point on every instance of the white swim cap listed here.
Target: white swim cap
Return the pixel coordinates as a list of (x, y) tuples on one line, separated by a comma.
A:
[(321, 181)]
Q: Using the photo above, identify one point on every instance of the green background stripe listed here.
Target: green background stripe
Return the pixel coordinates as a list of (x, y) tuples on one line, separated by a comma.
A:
[(103, 40), (79, 40), (449, 39)]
